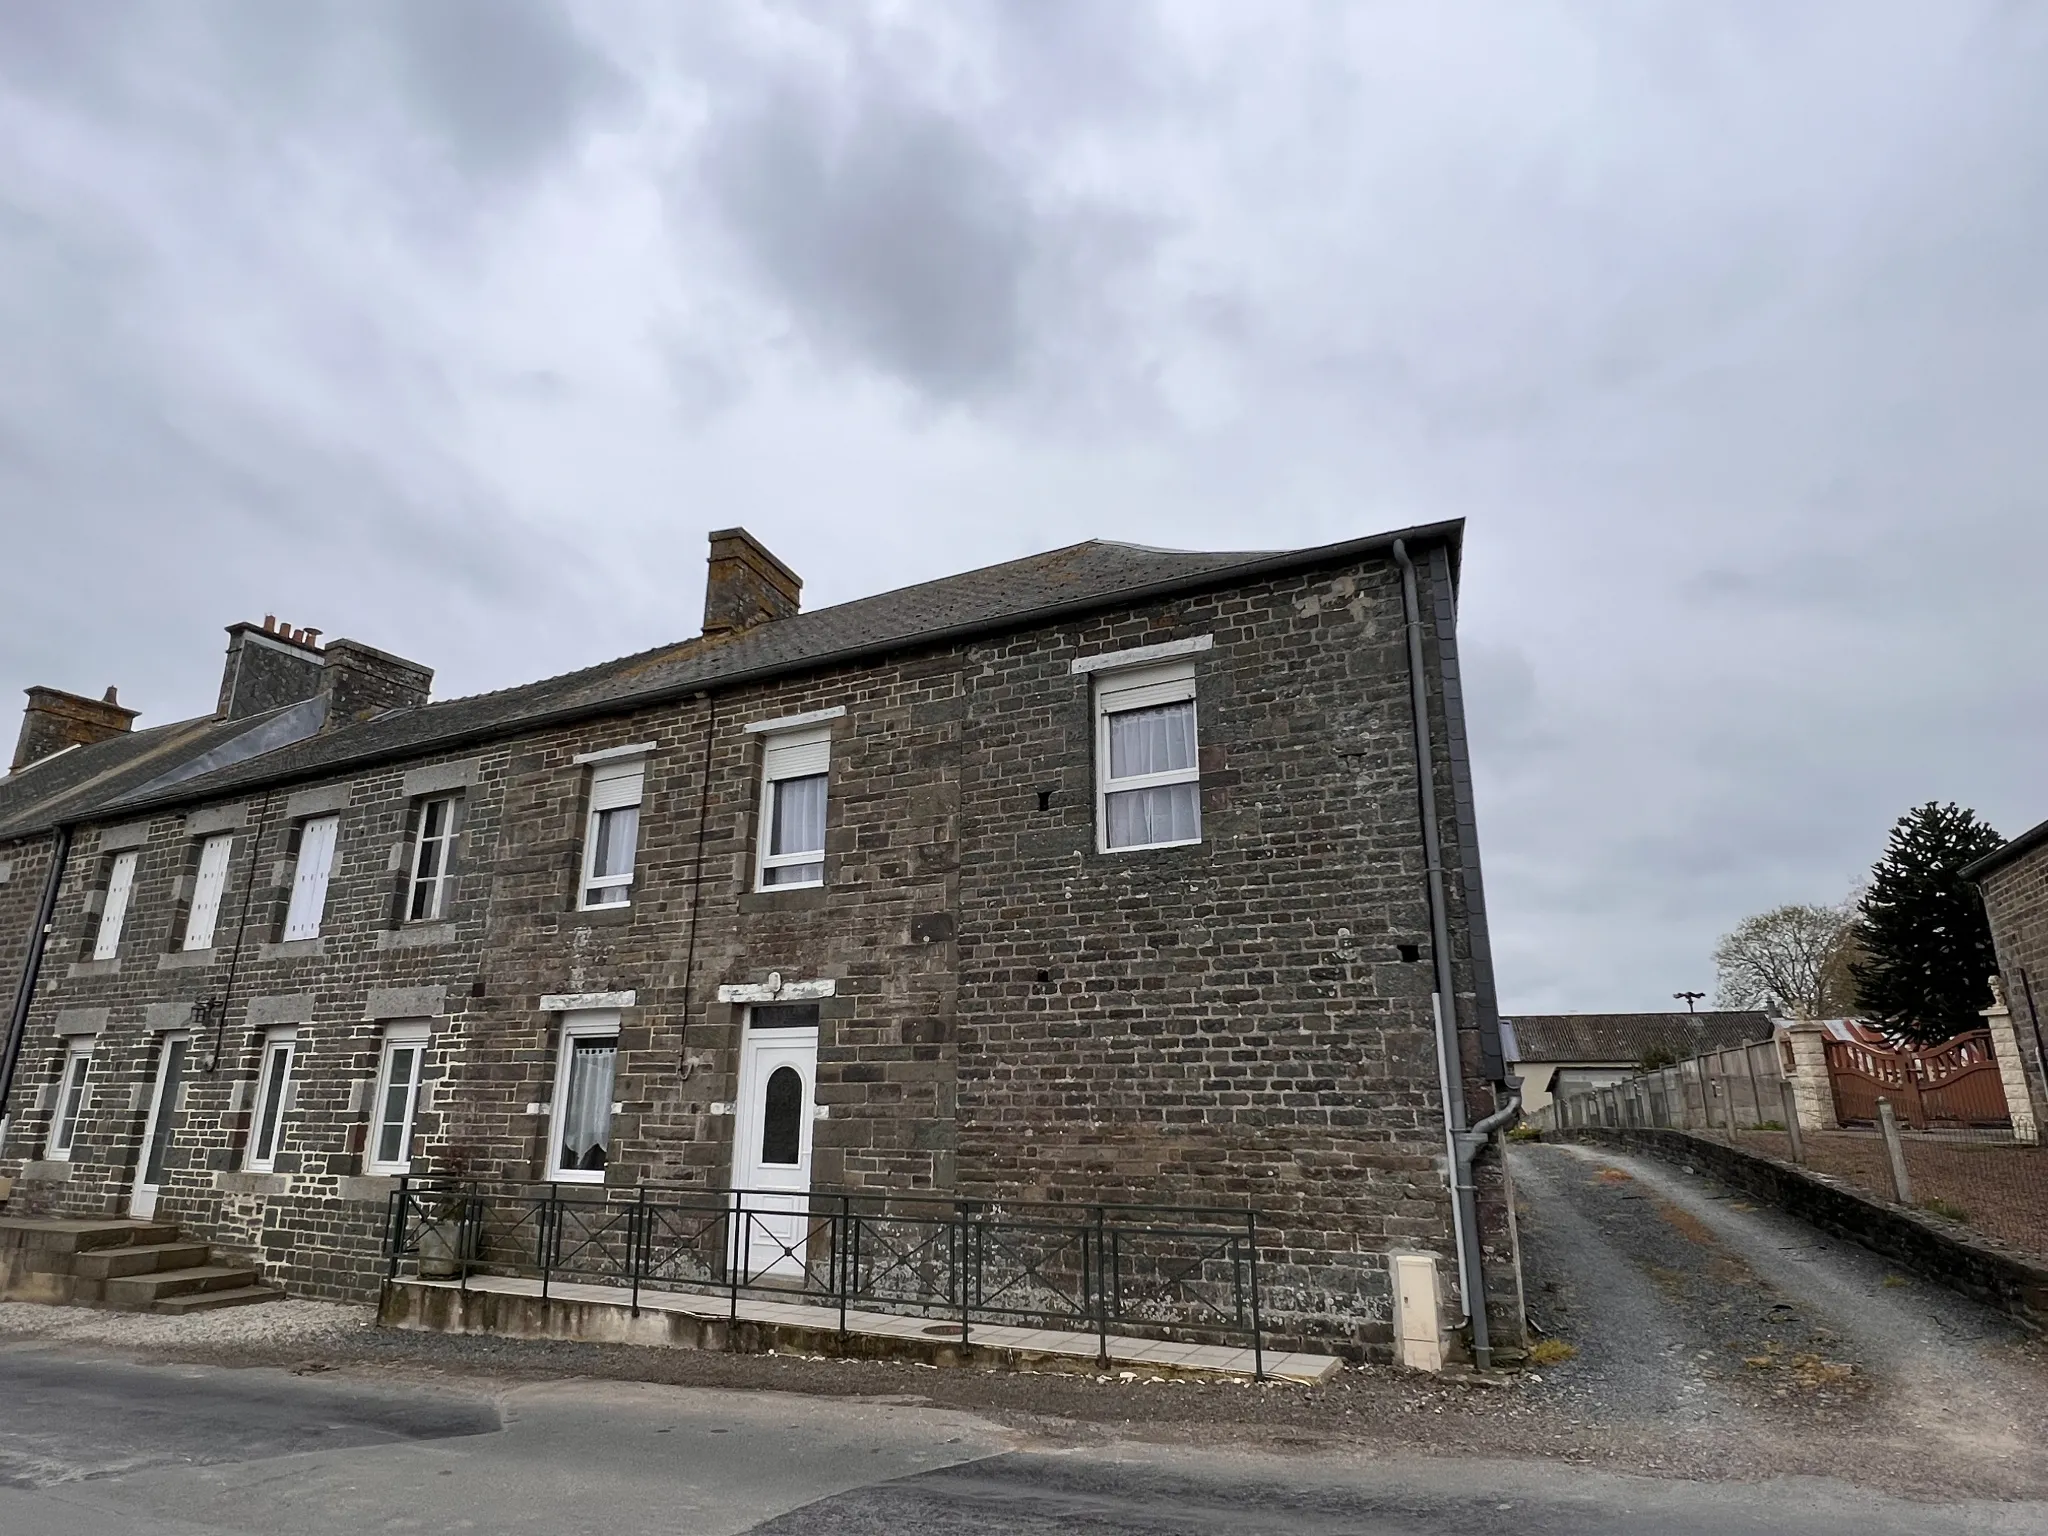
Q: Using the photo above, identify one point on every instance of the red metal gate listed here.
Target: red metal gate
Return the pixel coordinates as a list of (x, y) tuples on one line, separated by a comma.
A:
[(1952, 1084)]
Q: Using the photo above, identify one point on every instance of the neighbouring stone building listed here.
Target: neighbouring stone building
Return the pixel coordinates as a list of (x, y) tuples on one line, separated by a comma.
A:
[(1100, 874), (2014, 883)]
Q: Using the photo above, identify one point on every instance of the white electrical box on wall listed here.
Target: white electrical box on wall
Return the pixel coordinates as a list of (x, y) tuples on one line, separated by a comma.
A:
[(1418, 1312)]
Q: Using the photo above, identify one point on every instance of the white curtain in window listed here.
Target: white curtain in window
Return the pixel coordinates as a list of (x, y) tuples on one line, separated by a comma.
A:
[(617, 832), (1158, 740), (1172, 813), (587, 1104), (799, 816)]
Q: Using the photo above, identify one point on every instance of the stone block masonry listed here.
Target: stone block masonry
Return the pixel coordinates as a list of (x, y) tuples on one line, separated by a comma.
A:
[(1013, 1012)]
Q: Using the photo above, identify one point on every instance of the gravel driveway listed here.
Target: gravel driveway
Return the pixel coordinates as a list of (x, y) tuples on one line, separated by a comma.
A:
[(1724, 1335)]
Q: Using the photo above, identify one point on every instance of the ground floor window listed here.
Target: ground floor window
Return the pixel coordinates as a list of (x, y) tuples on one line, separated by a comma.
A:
[(70, 1097), (273, 1096), (398, 1094), (580, 1129)]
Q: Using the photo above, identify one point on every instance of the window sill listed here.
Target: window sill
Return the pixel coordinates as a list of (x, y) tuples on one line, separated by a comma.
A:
[(600, 917), (87, 968), (576, 1178), (293, 949), (787, 898), (1186, 842), (251, 1182), (50, 1170), (416, 936), (185, 960), (367, 1187)]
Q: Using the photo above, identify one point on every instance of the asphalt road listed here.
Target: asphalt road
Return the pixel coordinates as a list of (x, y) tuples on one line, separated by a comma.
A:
[(97, 1447)]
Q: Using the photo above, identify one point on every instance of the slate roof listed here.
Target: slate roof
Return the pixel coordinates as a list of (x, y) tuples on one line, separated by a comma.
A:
[(1626, 1038), (69, 785), (1016, 594)]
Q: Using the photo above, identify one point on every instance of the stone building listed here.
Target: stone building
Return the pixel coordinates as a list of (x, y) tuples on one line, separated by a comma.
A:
[(2014, 883), (1108, 873)]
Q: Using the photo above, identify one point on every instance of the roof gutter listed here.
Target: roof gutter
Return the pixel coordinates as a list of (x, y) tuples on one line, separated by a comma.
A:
[(1270, 565), (31, 968)]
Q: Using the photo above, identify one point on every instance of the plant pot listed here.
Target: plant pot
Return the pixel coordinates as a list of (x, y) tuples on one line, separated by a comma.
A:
[(443, 1250)]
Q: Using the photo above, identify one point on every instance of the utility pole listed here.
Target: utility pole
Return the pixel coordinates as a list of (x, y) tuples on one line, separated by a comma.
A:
[(1690, 998)]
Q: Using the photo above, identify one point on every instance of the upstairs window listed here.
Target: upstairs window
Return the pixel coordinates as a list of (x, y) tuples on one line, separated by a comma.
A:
[(433, 859), (615, 792), (792, 844), (120, 882), (309, 883), (70, 1097), (273, 1098), (1148, 788), (398, 1096), (207, 888)]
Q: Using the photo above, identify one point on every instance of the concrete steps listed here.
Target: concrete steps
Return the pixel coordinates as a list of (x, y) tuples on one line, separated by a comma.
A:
[(122, 1264)]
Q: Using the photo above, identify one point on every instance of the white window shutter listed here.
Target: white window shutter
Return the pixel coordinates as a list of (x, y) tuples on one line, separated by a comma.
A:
[(309, 888), (206, 891), (614, 785), (119, 884)]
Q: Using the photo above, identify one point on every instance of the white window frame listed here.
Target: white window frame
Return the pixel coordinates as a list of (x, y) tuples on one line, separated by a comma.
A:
[(285, 1040), (72, 1085), (596, 1024), (615, 784), (441, 878), (114, 912), (319, 840), (414, 1036), (209, 886), (1127, 688), (791, 754)]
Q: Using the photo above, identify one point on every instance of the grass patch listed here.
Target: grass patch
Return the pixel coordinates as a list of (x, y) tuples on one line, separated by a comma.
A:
[(1948, 1208), (1525, 1133), (1552, 1352), (1895, 1282)]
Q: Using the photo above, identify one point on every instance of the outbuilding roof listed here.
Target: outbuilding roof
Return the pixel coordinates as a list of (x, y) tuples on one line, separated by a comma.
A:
[(1623, 1039)]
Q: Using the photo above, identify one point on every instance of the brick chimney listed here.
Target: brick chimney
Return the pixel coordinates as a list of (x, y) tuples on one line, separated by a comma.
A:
[(746, 585), (360, 681), (268, 665), (55, 720)]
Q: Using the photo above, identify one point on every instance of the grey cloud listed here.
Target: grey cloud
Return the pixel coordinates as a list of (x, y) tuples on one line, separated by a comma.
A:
[(897, 235)]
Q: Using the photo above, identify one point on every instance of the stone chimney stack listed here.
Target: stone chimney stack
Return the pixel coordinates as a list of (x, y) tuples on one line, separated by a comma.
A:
[(268, 665), (746, 585), (360, 681), (55, 720)]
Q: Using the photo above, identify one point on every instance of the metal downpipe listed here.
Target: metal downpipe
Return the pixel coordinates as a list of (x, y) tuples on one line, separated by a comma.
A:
[(31, 969), (1451, 1067)]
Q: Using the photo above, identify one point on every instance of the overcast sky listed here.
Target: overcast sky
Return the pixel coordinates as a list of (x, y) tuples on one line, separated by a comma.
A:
[(453, 325)]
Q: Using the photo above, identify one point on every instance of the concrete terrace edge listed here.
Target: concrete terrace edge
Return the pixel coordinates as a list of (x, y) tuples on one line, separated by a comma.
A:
[(1999, 1278), (440, 1307)]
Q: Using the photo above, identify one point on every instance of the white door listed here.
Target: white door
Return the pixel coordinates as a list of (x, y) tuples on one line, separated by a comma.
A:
[(771, 1161), (161, 1126)]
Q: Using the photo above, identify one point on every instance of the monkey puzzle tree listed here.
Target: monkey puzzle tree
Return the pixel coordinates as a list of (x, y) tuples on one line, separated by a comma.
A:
[(1926, 941)]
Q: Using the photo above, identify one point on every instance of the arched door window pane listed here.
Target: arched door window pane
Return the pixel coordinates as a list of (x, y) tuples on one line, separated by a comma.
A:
[(782, 1118)]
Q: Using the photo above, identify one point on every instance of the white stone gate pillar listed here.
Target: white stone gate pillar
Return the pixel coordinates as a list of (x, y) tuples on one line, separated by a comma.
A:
[(1802, 1051), (2012, 1069)]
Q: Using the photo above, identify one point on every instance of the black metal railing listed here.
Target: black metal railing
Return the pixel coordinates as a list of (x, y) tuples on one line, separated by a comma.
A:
[(1184, 1272)]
